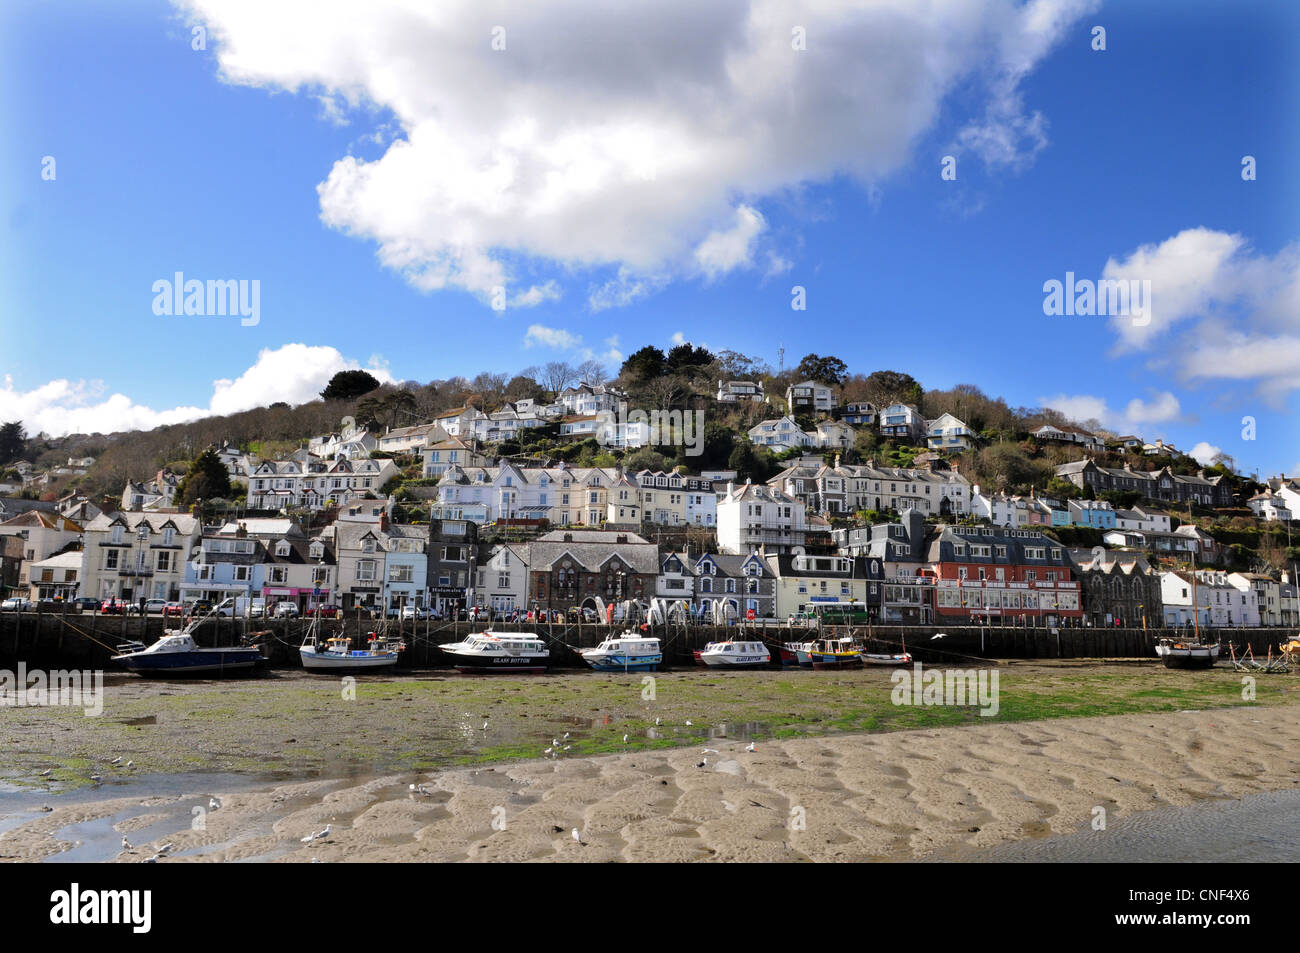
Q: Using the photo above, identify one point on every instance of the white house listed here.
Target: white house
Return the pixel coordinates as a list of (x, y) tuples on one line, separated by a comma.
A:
[(834, 434), (315, 483), (779, 434), (999, 508), (134, 555), (731, 392), (903, 422), (409, 439), (1218, 602), (754, 516), (948, 433), (810, 397)]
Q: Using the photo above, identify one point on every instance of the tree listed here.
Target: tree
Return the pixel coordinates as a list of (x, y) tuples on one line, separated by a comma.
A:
[(593, 372), (13, 441), (687, 355), (207, 479), (825, 370), (558, 375), (524, 386), (349, 385), (644, 365), (883, 388)]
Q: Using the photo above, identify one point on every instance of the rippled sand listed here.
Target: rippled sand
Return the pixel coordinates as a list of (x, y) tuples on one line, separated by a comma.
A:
[(897, 796)]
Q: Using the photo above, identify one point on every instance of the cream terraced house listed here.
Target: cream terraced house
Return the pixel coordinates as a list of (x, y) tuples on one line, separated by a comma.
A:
[(755, 516), (849, 488), (133, 555), (314, 483)]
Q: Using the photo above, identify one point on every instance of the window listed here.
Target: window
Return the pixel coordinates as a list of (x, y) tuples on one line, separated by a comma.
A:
[(110, 559), (243, 573), (164, 563)]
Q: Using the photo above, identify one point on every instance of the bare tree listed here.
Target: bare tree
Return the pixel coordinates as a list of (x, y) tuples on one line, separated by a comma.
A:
[(593, 372), (558, 375)]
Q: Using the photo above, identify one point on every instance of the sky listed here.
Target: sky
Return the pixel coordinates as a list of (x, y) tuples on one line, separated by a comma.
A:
[(426, 190)]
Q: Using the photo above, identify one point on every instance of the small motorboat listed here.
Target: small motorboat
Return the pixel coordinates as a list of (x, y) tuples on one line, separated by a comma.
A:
[(491, 652), (1187, 653), (337, 654), (628, 652), (835, 653), (734, 654), (177, 654), (877, 658)]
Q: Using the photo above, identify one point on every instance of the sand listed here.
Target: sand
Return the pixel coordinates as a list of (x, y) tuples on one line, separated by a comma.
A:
[(903, 795)]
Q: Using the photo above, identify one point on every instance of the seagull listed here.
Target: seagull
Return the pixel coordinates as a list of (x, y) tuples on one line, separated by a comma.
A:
[(165, 848), (751, 746), (46, 773), (117, 760), (325, 833), (555, 742), (566, 736), (126, 844), (548, 751), (96, 778), (577, 836), (688, 721), (703, 763), (941, 635), (213, 804), (130, 764), (567, 747), (656, 721), (485, 726), (625, 739), (710, 750), (151, 860)]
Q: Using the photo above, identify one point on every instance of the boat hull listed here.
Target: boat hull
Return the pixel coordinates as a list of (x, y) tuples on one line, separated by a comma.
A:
[(621, 663), (333, 662), (202, 662), (822, 661), (497, 664), (1188, 656), (739, 661), (904, 659)]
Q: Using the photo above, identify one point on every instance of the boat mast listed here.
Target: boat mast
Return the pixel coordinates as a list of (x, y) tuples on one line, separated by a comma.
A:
[(1196, 605)]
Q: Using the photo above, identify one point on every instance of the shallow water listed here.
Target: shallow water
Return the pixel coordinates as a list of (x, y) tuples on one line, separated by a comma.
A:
[(1259, 828)]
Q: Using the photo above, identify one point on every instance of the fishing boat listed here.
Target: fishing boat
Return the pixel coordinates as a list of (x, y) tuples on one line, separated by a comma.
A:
[(835, 653), (1187, 653), (490, 652), (734, 654), (177, 654), (628, 652), (788, 653), (337, 654)]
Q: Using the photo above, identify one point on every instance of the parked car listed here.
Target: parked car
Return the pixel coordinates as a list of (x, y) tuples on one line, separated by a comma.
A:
[(286, 610), (200, 607), (327, 611), (17, 604), (112, 607), (150, 606), (173, 608), (86, 602), (414, 612)]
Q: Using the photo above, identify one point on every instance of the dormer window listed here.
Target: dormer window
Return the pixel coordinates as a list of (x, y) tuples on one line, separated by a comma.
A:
[(282, 548)]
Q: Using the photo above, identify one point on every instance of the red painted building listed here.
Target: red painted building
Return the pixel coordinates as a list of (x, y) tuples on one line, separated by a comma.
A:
[(1002, 575)]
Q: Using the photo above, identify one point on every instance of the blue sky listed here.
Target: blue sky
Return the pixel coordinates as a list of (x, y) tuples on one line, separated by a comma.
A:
[(685, 164)]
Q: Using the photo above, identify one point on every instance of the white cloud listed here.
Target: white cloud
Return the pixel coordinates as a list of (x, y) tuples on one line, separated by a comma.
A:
[(1163, 408), (1220, 310), (536, 295), (639, 136), (1204, 452), (725, 250), (293, 373), (541, 336)]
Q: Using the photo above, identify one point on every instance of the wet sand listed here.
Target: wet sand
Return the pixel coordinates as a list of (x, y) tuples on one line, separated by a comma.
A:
[(942, 793)]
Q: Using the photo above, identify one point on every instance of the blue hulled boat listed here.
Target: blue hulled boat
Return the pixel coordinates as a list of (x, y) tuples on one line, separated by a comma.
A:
[(628, 652), (177, 654)]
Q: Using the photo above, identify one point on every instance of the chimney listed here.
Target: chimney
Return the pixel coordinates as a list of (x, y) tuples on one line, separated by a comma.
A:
[(731, 488)]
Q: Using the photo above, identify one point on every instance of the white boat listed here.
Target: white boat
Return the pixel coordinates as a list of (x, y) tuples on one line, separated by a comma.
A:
[(486, 652), (1186, 653), (337, 654), (878, 658), (628, 652), (733, 654)]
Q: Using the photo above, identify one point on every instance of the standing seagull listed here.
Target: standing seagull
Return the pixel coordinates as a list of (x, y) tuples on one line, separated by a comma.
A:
[(126, 844), (578, 837)]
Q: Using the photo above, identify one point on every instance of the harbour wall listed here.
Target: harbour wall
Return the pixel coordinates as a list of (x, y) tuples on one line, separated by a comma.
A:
[(63, 640)]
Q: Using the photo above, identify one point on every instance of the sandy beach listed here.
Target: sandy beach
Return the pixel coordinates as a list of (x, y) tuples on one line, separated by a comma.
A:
[(896, 796)]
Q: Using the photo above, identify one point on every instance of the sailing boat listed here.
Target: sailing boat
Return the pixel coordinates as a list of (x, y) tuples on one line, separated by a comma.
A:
[(1189, 653)]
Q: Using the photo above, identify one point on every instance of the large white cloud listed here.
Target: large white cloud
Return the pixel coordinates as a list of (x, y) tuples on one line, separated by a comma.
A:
[(1163, 408), (638, 135), (293, 373), (1220, 310)]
